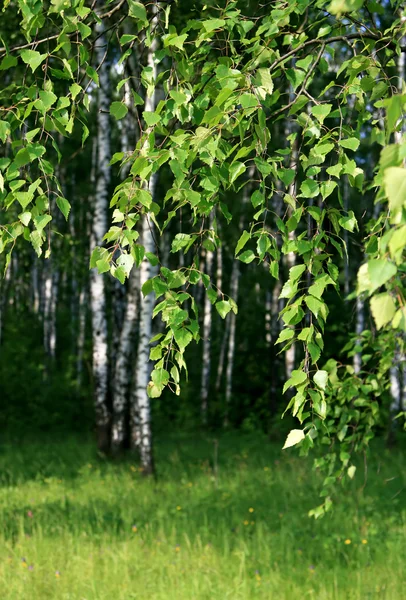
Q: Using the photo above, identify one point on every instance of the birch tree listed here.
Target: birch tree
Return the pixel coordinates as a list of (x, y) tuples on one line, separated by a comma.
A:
[(99, 228), (141, 433)]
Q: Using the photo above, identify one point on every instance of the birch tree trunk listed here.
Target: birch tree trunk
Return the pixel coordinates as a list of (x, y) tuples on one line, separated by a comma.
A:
[(141, 434), (234, 286), (290, 257), (206, 357), (140, 408), (220, 366), (47, 299), (52, 315), (99, 228), (126, 301), (83, 297), (235, 280), (359, 328), (123, 369)]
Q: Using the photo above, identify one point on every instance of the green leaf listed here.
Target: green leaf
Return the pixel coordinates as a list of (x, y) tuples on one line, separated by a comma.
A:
[(309, 188), (160, 377), (245, 236), (8, 62), (350, 143), (33, 58), (180, 241), (379, 272), (177, 41), (349, 222), (137, 10), (223, 308), (147, 287), (321, 111), (118, 110), (212, 24), (126, 261), (274, 269), (297, 378), (22, 158), (338, 7), (4, 130), (320, 379), (296, 272), (236, 170), (383, 309), (395, 188), (183, 337), (315, 305), (285, 334), (37, 241), (151, 118), (294, 437), (42, 221), (247, 256), (257, 199), (351, 471), (64, 206), (25, 218)]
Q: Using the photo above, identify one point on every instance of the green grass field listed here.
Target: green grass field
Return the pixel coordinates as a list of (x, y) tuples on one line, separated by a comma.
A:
[(74, 526)]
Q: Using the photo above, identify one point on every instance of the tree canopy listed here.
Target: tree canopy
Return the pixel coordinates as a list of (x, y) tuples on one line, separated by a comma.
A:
[(281, 122)]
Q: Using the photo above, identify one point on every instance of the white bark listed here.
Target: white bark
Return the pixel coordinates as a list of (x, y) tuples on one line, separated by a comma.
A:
[(268, 319), (395, 386), (140, 403), (99, 228), (140, 408), (220, 366), (52, 314), (122, 367), (81, 336), (206, 358), (51, 285), (359, 328), (290, 257), (126, 304), (235, 280), (234, 287)]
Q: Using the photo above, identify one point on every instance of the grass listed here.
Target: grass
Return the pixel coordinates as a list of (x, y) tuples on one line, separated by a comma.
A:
[(74, 526)]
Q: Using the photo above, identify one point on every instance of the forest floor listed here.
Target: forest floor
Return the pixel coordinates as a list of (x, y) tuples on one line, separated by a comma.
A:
[(74, 526)]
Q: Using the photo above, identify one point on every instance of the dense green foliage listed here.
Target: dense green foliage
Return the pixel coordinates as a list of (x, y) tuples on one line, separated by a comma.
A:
[(299, 105), (204, 530)]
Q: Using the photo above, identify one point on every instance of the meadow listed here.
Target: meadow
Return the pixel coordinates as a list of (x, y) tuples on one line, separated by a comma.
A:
[(224, 519)]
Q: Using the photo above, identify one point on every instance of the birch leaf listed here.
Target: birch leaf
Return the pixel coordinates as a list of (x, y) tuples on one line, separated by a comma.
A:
[(223, 308), (118, 110), (383, 309), (294, 437), (320, 379)]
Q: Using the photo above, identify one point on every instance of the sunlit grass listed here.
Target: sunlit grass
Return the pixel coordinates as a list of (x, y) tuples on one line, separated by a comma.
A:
[(74, 526)]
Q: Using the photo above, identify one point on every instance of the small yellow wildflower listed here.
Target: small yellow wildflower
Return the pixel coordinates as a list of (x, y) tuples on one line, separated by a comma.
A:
[(133, 469), (177, 548), (252, 522), (134, 528), (24, 564), (365, 541), (190, 484), (178, 508), (57, 574), (246, 522), (251, 510), (347, 542), (266, 468)]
